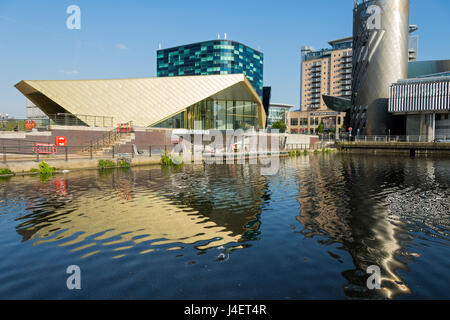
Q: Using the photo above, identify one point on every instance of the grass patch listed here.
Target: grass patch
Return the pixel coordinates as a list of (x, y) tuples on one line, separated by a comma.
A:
[(5, 172), (123, 164), (105, 164), (109, 164)]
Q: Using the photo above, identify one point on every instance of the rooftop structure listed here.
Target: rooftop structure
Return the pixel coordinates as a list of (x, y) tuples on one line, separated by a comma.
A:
[(203, 102)]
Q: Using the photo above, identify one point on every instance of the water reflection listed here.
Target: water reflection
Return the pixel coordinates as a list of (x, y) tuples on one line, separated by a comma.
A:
[(124, 208), (353, 211), (355, 201)]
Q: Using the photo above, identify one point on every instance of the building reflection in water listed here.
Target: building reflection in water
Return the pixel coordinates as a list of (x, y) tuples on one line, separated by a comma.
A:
[(126, 208), (369, 206), (352, 206)]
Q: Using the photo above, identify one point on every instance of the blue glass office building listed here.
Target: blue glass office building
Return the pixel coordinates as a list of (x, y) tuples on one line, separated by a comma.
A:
[(212, 57)]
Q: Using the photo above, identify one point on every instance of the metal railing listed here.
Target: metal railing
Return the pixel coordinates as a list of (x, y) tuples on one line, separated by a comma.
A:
[(68, 119), (111, 137), (397, 138), (42, 151), (39, 151), (20, 125), (63, 119)]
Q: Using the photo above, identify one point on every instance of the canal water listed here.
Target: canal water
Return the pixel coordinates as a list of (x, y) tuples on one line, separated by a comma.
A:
[(228, 232)]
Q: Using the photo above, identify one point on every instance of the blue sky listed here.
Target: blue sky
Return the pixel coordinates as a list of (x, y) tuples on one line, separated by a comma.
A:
[(119, 39)]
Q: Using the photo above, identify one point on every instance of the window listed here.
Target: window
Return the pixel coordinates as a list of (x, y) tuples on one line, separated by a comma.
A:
[(231, 115), (294, 122)]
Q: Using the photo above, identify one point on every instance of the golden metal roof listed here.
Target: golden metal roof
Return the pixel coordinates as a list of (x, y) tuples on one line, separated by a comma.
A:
[(144, 101)]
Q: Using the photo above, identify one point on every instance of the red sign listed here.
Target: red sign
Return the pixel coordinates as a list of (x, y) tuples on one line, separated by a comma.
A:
[(350, 129), (61, 141)]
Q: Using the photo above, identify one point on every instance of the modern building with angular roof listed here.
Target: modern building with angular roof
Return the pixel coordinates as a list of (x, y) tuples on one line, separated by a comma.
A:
[(188, 102)]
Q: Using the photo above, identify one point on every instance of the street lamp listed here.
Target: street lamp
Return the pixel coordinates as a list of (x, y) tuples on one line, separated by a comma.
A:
[(3, 121)]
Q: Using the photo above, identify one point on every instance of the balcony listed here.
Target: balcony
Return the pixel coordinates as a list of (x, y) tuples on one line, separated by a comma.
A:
[(347, 59), (347, 65)]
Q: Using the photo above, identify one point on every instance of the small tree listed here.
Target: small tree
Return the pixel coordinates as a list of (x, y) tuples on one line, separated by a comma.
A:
[(280, 125)]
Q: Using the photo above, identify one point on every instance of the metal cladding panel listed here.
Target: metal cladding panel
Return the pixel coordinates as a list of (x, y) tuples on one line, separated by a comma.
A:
[(420, 95), (380, 59), (142, 101)]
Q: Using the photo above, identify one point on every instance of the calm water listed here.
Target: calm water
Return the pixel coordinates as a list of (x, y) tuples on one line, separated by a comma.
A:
[(226, 232)]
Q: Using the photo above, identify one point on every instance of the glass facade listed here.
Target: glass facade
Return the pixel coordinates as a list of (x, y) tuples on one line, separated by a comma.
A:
[(212, 57), (215, 114), (276, 114)]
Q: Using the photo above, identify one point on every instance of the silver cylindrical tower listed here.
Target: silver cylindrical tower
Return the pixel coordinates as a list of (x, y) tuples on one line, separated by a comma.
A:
[(380, 58)]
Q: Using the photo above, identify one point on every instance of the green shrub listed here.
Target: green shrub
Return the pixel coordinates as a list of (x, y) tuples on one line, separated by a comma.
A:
[(34, 170), (292, 153), (305, 152), (165, 160), (299, 153), (5, 172), (123, 164), (45, 169), (168, 160), (104, 164)]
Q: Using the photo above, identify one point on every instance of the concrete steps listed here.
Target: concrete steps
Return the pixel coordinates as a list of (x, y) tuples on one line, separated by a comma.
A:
[(125, 140)]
